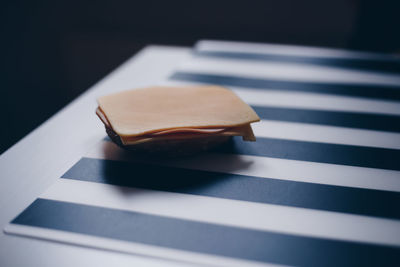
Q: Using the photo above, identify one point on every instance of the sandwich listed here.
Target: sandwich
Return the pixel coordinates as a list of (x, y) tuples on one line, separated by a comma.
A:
[(175, 121)]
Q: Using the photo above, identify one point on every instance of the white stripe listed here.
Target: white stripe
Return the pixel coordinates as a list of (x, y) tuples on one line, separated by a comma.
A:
[(293, 170), (229, 46), (265, 217), (326, 134), (286, 71), (277, 98), (185, 257)]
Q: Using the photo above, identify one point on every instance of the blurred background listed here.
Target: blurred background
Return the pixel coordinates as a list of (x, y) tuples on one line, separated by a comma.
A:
[(54, 50)]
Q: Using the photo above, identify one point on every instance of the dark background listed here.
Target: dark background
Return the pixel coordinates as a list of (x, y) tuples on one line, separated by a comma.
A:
[(51, 51)]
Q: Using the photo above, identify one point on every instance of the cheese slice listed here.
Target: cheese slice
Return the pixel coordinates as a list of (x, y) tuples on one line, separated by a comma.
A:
[(154, 109)]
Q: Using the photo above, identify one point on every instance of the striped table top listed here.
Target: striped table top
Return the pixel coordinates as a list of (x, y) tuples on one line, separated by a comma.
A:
[(320, 187)]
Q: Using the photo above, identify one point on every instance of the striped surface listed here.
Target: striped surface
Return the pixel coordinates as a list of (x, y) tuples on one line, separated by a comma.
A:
[(321, 186)]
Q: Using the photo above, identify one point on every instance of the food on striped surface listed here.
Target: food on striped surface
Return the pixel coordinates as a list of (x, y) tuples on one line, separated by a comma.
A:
[(175, 120)]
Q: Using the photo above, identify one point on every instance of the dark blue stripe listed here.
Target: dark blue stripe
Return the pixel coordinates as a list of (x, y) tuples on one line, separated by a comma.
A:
[(364, 90), (361, 156), (390, 123), (238, 187), (206, 238), (381, 65)]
